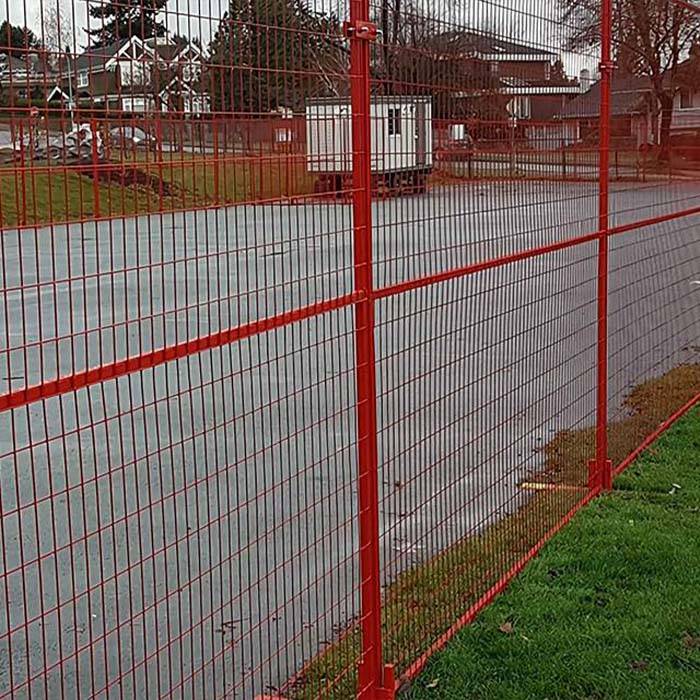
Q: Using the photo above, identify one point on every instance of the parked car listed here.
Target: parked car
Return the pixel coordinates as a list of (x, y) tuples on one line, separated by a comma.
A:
[(458, 146), (130, 137), (37, 146), (82, 142)]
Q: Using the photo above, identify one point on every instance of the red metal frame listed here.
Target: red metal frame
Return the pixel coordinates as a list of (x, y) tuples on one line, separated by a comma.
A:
[(433, 293), (606, 69), (374, 680)]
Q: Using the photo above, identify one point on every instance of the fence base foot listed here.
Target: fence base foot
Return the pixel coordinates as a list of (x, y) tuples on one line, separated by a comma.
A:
[(387, 691), (600, 478)]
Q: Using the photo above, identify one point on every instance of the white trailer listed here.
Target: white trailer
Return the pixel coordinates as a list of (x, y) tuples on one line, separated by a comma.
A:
[(401, 135)]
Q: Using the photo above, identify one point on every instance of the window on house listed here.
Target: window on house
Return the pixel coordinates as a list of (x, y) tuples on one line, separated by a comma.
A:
[(82, 79), (394, 117), (134, 73), (520, 107), (686, 99)]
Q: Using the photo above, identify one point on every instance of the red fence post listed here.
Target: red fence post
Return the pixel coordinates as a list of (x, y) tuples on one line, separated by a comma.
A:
[(600, 475), (159, 156), (23, 175), (374, 679), (215, 148), (95, 169)]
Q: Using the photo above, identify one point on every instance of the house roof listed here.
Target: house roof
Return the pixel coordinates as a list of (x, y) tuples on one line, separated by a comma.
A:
[(97, 57), (628, 95), (510, 85), (30, 70), (16, 64), (490, 47), (56, 93)]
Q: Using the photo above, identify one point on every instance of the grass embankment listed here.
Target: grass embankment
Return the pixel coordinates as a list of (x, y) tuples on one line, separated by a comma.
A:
[(426, 600), (42, 194), (610, 609)]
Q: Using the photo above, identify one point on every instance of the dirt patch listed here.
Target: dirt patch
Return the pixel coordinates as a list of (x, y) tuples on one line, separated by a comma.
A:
[(126, 176), (647, 406)]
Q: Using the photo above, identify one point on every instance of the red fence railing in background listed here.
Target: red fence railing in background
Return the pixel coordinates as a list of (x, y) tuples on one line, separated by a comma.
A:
[(317, 322)]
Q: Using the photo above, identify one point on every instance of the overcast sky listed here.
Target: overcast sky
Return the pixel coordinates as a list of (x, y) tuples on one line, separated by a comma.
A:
[(529, 21)]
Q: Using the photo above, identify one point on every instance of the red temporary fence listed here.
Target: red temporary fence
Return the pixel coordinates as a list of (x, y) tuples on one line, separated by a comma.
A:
[(317, 323)]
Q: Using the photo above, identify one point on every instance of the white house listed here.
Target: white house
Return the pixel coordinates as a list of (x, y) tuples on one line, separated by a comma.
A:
[(140, 76)]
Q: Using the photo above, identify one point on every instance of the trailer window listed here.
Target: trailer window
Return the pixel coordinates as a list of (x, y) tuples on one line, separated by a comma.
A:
[(394, 117), (686, 99)]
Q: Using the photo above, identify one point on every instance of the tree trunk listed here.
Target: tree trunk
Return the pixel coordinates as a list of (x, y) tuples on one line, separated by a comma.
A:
[(666, 101), (385, 44)]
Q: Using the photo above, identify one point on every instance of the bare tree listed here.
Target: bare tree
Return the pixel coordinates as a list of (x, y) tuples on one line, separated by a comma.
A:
[(651, 38), (56, 29), (422, 54)]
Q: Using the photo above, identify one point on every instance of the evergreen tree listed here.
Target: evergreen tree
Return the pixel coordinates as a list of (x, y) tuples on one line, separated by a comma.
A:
[(268, 54), (182, 39), (121, 19), (16, 40), (557, 74)]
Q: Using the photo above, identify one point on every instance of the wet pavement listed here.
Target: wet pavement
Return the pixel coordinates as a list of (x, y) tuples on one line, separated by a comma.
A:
[(191, 529)]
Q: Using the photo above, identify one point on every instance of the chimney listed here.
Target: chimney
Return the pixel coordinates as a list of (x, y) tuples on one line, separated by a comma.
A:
[(585, 80)]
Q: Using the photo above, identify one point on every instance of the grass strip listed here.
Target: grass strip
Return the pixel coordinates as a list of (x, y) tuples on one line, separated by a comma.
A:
[(610, 609)]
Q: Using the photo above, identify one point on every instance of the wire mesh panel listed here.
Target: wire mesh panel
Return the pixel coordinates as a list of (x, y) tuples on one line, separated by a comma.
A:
[(175, 521), (653, 328), (653, 319), (178, 439), (484, 382), (317, 318), (486, 378)]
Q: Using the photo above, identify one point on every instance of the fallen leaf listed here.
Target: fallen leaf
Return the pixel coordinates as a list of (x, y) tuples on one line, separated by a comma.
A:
[(433, 683), (690, 641), (507, 628), (639, 665)]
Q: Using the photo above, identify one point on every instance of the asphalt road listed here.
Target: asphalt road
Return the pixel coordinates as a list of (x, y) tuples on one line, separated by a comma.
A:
[(204, 511)]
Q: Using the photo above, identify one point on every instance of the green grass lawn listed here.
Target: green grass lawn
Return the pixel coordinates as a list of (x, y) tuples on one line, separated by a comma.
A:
[(44, 197), (611, 607), (57, 194)]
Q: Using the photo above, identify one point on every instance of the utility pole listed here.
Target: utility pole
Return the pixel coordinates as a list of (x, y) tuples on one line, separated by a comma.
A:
[(70, 88)]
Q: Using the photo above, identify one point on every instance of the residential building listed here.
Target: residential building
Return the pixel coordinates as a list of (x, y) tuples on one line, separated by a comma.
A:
[(139, 76), (530, 77), (25, 77), (635, 112)]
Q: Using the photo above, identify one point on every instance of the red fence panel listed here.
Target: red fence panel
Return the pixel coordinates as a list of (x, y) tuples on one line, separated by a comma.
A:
[(317, 321)]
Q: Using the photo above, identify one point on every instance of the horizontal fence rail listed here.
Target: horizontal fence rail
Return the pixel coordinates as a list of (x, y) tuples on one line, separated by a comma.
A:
[(317, 321)]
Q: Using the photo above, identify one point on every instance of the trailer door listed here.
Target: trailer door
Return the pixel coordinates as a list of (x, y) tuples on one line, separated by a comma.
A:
[(420, 134)]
